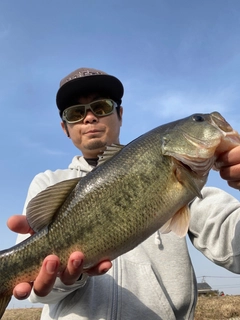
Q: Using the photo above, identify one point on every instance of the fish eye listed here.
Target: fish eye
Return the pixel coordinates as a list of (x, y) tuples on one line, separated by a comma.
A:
[(198, 118)]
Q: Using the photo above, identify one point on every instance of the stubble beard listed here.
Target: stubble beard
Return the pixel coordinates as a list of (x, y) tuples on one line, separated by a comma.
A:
[(95, 145)]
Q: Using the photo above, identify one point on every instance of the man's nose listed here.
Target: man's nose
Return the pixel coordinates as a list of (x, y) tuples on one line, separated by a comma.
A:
[(90, 117)]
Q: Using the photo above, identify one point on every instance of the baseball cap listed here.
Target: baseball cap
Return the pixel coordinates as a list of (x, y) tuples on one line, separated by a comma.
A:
[(87, 80)]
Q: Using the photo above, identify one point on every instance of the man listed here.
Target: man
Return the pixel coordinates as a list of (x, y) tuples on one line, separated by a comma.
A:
[(155, 280)]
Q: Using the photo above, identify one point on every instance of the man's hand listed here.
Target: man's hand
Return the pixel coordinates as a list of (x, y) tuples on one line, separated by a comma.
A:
[(45, 280), (229, 165)]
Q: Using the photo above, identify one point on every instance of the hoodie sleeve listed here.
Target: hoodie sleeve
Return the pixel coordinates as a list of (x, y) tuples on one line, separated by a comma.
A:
[(215, 227), (59, 291)]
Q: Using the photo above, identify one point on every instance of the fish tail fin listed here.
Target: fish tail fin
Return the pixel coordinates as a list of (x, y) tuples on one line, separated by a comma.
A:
[(179, 223), (4, 301)]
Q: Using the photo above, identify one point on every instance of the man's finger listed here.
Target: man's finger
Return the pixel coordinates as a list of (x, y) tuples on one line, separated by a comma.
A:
[(19, 224), (22, 290), (74, 268), (100, 269), (47, 276)]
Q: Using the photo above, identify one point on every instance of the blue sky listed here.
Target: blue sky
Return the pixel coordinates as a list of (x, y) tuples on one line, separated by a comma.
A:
[(174, 58)]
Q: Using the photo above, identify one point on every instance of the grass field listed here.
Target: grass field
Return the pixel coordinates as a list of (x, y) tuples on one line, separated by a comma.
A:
[(22, 314), (221, 308), (208, 308)]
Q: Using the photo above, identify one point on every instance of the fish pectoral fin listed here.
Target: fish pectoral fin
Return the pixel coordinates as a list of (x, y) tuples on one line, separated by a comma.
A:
[(179, 223), (42, 208), (4, 301), (109, 152), (186, 178)]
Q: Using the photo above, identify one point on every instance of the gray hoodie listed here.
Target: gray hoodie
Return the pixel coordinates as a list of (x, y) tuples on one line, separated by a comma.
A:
[(155, 280)]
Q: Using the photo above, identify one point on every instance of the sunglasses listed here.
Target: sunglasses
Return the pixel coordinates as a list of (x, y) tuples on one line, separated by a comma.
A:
[(100, 108)]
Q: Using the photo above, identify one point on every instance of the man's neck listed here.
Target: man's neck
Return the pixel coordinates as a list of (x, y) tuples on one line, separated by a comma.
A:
[(92, 161)]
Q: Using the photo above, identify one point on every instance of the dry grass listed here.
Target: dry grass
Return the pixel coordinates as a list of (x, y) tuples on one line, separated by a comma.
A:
[(208, 308), (220, 308), (22, 314)]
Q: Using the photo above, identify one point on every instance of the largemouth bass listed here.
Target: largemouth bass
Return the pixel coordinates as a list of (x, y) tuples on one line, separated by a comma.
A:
[(134, 191)]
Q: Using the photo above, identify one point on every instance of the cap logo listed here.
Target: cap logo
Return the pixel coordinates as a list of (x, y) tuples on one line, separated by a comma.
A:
[(82, 73)]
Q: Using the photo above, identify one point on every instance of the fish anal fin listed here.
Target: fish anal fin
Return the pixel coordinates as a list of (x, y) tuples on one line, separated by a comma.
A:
[(4, 301), (179, 223), (42, 208)]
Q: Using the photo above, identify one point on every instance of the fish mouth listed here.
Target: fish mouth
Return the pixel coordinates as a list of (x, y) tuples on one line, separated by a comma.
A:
[(220, 122), (230, 137), (202, 162)]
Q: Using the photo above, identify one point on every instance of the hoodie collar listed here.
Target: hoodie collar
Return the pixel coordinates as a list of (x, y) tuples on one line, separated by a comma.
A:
[(80, 164)]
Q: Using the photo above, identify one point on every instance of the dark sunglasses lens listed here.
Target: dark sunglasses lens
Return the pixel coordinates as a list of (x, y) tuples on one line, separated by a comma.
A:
[(76, 113), (102, 108)]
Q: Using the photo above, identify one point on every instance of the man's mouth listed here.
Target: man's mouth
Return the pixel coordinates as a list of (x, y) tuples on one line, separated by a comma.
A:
[(93, 131)]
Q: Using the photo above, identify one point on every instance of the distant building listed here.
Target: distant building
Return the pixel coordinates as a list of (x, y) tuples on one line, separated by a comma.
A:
[(204, 289)]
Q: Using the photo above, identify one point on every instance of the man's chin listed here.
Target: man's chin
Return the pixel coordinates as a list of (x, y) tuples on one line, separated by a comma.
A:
[(96, 145)]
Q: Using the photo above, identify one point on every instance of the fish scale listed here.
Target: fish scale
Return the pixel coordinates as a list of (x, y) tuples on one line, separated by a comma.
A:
[(141, 188), (108, 211)]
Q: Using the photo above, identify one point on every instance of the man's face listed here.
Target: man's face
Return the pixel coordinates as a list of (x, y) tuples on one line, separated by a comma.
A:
[(92, 134)]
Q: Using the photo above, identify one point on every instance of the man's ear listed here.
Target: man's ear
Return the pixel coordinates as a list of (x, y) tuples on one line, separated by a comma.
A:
[(121, 114), (65, 128)]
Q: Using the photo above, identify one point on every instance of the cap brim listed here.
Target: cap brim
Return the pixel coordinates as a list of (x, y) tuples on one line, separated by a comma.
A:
[(106, 84)]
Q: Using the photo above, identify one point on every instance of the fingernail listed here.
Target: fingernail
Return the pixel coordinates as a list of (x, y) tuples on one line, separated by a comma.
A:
[(51, 266), (77, 263), (21, 294)]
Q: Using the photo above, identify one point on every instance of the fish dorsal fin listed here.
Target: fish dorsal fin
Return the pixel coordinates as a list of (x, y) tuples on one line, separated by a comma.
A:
[(179, 223), (109, 152), (42, 208)]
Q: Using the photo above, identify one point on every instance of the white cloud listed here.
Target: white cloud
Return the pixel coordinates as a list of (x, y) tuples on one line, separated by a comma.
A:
[(40, 148), (53, 152), (176, 104)]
